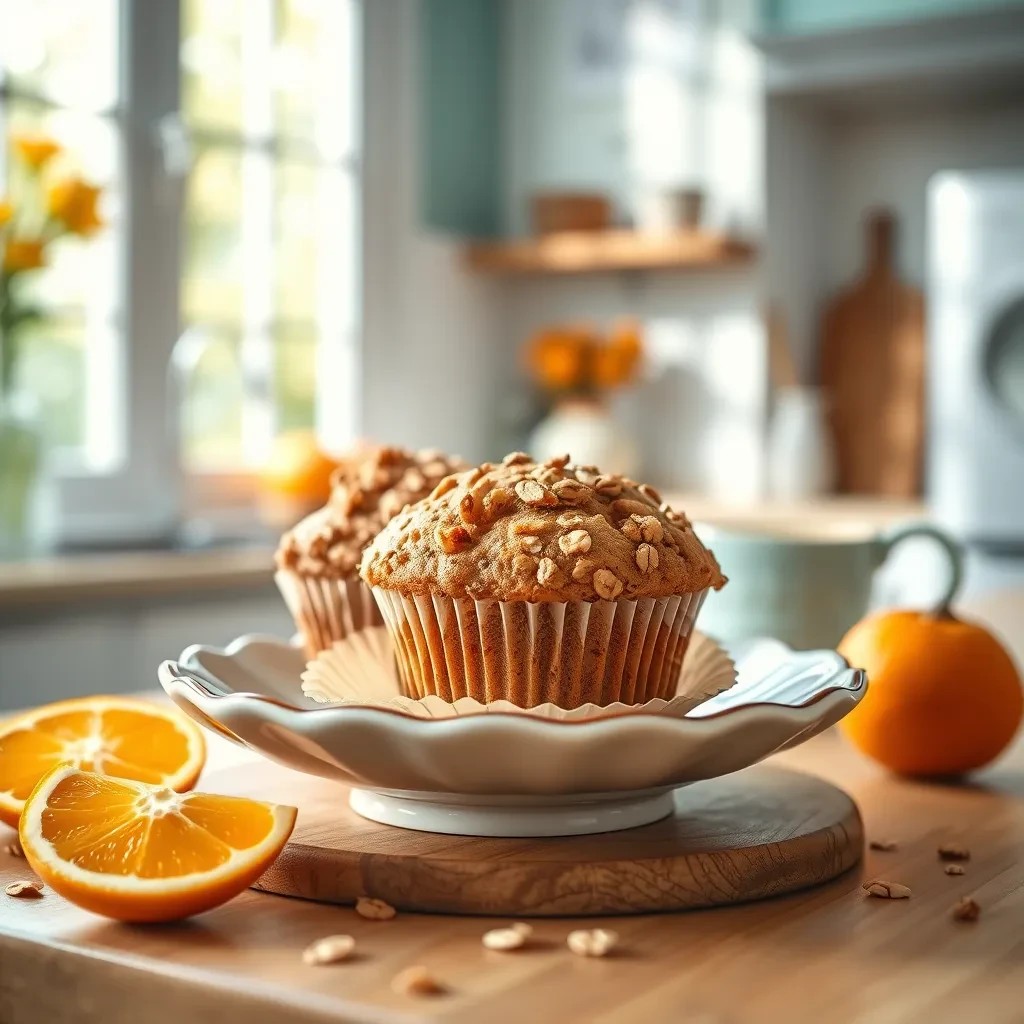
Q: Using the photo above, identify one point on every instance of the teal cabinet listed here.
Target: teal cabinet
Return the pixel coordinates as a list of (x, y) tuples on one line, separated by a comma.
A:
[(460, 117), (800, 16)]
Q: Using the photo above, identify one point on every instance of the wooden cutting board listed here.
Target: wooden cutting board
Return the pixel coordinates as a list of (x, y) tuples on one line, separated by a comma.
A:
[(758, 833), (872, 371)]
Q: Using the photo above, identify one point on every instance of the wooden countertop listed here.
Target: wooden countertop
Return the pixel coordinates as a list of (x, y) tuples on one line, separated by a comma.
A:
[(871, 513), (124, 575), (827, 954)]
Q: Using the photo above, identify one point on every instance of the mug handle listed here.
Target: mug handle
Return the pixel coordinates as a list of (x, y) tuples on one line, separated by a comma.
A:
[(953, 551)]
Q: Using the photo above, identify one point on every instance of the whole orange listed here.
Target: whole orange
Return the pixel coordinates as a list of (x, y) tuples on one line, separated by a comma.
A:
[(297, 468), (944, 696)]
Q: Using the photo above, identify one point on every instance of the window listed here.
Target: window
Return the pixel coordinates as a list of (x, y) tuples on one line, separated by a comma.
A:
[(269, 254), (195, 327)]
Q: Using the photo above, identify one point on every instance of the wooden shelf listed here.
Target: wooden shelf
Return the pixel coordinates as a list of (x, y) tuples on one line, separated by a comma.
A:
[(592, 252)]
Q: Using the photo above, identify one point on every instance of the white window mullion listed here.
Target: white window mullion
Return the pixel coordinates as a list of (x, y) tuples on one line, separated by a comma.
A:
[(337, 140), (257, 231), (106, 440), (337, 355), (142, 499), (256, 347)]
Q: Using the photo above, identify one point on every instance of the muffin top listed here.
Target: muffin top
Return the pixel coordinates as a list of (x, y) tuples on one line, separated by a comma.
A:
[(527, 531), (368, 488)]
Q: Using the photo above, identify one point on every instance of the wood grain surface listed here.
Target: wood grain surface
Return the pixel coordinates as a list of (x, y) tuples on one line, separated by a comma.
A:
[(824, 954), (758, 833), (127, 575), (589, 252), (872, 369)]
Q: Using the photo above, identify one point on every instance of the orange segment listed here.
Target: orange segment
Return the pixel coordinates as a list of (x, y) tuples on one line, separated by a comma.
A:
[(117, 736), (146, 853)]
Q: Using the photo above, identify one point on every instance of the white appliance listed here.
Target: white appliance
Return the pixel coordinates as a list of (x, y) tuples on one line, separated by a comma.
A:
[(976, 357)]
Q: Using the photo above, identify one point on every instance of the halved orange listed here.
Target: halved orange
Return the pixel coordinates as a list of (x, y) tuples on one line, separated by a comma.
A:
[(146, 853), (129, 739)]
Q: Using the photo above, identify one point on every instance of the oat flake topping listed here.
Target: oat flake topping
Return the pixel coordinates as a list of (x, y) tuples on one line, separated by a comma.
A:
[(519, 530)]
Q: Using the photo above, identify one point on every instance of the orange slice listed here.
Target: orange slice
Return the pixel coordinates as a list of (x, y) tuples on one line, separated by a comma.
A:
[(146, 853), (118, 736)]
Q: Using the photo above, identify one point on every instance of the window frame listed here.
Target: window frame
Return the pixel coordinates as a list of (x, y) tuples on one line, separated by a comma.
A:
[(148, 497)]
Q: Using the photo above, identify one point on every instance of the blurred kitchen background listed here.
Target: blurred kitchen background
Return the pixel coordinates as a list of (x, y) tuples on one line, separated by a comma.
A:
[(767, 254)]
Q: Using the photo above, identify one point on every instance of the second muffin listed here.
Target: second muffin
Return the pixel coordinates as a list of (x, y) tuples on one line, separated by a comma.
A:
[(317, 559), (540, 582)]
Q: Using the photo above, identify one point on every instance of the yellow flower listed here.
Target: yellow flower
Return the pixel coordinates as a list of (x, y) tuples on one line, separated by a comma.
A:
[(617, 361), (73, 203), (35, 150), (24, 254), (557, 357), (6, 211)]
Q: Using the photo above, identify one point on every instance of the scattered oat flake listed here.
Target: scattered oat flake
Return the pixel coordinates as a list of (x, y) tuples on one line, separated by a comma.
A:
[(607, 584), (14, 849), (331, 949), (416, 981), (631, 531), (532, 493), (576, 542), (887, 890), (504, 939), (547, 570), (966, 909), (954, 851), (24, 890), (374, 909), (646, 558), (592, 941), (884, 845), (651, 530), (954, 869)]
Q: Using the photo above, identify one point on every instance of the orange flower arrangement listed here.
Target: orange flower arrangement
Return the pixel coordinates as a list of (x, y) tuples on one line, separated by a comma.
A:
[(44, 206), (72, 202), (35, 151), (23, 254), (578, 360)]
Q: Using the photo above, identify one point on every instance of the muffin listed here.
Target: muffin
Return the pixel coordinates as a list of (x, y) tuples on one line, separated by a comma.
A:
[(540, 582), (317, 560)]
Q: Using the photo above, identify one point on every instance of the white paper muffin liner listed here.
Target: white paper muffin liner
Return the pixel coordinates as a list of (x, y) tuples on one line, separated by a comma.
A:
[(563, 653), (327, 610), (360, 671)]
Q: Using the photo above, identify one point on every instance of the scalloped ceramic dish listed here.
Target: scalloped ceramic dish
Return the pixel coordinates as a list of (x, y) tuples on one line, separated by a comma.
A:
[(510, 773)]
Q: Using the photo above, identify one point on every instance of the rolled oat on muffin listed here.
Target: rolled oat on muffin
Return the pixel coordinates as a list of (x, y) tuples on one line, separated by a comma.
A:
[(540, 582), (318, 559)]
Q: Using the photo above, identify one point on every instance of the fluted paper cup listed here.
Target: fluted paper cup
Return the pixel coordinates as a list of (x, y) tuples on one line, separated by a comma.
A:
[(327, 610), (360, 671), (563, 653)]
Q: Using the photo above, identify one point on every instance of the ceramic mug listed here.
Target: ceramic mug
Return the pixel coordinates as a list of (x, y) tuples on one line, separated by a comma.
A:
[(805, 587)]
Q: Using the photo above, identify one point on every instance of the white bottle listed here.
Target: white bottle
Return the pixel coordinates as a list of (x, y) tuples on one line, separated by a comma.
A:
[(800, 458)]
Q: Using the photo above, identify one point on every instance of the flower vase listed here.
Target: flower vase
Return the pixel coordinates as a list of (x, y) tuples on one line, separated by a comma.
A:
[(24, 524), (585, 429)]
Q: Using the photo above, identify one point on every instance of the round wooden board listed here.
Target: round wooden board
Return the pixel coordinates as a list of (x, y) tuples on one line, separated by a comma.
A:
[(759, 833)]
